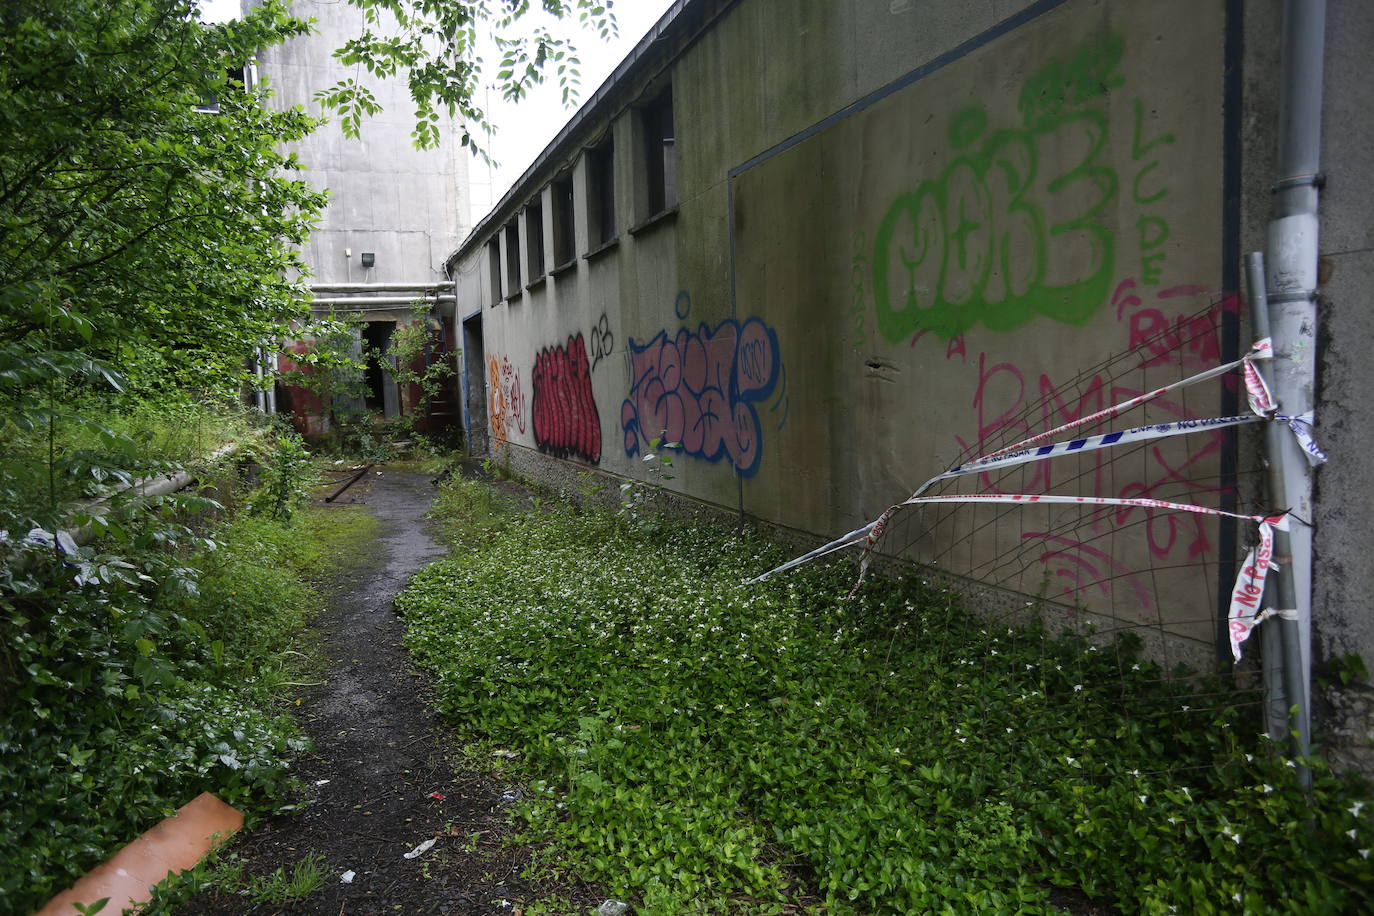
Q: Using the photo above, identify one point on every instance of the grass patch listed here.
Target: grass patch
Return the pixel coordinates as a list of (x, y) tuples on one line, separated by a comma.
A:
[(696, 745)]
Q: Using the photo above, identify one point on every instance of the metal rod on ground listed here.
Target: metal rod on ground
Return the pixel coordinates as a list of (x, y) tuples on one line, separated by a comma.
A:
[(349, 482), (1282, 595)]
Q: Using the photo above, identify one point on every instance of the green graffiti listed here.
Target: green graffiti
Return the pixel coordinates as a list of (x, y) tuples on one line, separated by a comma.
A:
[(1151, 231), (1086, 74), (1011, 229), (997, 238)]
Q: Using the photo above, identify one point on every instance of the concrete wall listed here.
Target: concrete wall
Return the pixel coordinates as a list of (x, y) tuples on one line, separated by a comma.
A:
[(909, 232), (408, 207)]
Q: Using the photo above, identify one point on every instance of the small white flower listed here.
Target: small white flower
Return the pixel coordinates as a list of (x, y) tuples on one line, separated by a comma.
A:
[(1077, 688), (1364, 853), (1187, 792), (1143, 798), (1186, 708), (1173, 820), (1135, 773), (1009, 730), (1356, 808), (1266, 788), (1249, 758), (963, 741), (1236, 896), (1351, 833), (1290, 763), (1071, 761), (1136, 666)]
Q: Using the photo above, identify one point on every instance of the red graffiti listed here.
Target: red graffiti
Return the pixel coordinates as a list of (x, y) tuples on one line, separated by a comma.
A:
[(1189, 341), (566, 421), (1082, 566)]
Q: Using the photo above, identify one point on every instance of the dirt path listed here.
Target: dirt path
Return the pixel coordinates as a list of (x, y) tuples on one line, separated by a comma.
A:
[(380, 756)]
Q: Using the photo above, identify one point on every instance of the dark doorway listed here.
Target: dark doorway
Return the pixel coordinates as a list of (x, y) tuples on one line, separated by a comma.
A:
[(474, 386), (376, 342)]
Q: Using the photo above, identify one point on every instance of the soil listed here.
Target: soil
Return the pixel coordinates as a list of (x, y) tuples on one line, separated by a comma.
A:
[(382, 777)]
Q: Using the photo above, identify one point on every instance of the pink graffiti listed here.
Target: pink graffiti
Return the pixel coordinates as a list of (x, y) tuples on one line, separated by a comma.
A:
[(1010, 402), (1082, 566), (1188, 341)]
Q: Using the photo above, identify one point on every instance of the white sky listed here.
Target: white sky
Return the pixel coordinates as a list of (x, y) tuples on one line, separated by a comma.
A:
[(524, 128)]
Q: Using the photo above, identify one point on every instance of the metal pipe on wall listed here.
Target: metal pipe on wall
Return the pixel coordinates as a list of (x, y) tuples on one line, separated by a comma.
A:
[(381, 300), (380, 287), (1292, 284), (1282, 647)]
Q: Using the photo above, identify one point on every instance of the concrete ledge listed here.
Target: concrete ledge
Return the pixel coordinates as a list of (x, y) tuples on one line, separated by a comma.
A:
[(171, 847)]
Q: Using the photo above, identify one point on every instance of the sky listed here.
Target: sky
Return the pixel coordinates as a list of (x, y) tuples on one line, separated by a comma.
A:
[(524, 128)]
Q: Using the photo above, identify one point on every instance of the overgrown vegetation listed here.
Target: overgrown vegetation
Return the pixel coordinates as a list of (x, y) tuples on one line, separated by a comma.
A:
[(133, 681), (702, 746)]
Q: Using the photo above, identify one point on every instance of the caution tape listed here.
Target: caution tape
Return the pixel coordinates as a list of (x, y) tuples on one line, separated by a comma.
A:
[(1249, 588), (1244, 614), (1263, 349)]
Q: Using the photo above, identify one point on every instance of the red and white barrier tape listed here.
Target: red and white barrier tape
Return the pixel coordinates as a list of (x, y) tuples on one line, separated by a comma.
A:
[(1258, 395), (1244, 614)]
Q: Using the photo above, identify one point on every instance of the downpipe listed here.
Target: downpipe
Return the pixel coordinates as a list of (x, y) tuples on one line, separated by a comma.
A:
[(1292, 291)]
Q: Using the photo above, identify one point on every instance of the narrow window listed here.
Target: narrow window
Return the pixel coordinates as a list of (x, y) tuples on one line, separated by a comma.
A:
[(564, 241), (494, 267), (601, 194), (534, 239), (512, 259), (660, 157)]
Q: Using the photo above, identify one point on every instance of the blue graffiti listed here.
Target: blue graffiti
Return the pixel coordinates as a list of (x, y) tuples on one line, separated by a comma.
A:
[(700, 388)]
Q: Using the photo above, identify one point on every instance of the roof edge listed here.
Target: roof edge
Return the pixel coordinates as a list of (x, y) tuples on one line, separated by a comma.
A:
[(668, 25)]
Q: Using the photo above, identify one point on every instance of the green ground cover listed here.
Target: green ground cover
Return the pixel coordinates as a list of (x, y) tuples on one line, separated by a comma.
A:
[(701, 746)]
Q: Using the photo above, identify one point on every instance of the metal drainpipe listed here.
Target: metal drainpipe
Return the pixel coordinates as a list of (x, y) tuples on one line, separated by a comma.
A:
[(1292, 285), (1283, 667)]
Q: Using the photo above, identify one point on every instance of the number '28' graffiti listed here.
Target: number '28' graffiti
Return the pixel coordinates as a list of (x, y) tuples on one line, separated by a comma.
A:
[(701, 389)]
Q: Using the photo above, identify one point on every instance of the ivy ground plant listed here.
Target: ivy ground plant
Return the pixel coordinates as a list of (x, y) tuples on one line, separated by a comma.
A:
[(700, 746)]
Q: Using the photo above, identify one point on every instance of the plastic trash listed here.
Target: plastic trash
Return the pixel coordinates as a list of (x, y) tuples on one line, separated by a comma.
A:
[(347, 877), (423, 848)]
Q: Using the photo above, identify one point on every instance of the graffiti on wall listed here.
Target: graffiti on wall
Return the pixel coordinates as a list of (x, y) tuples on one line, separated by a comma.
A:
[(701, 388), (1016, 225), (566, 421), (505, 399), (1005, 390), (603, 341)]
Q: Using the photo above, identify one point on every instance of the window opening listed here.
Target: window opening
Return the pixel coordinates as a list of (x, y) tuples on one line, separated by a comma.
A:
[(660, 155), (601, 194), (512, 259), (534, 239), (564, 242)]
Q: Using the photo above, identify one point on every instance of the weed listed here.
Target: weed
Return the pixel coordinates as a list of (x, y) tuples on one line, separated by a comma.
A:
[(304, 878)]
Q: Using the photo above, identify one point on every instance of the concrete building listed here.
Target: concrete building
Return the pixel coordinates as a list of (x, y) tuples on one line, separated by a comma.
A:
[(395, 211), (834, 249)]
